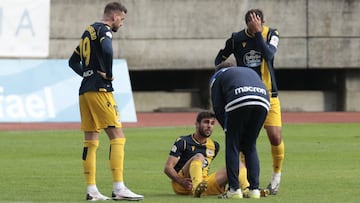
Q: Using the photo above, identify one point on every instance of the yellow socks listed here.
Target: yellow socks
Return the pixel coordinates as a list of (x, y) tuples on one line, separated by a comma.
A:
[(278, 156), (89, 160), (116, 158), (195, 170), (244, 183)]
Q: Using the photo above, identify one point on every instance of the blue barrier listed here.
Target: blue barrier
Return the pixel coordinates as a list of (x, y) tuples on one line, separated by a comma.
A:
[(47, 91)]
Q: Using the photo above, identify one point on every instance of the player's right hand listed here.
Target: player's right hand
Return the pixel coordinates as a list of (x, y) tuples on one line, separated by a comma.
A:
[(186, 183)]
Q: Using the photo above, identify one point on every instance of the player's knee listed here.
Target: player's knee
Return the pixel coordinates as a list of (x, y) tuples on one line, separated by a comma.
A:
[(198, 156), (273, 131)]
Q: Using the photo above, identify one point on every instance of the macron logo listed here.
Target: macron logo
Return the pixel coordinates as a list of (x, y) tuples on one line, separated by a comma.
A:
[(245, 89)]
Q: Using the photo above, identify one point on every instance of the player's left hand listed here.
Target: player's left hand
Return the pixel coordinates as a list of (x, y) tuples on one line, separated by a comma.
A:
[(103, 75)]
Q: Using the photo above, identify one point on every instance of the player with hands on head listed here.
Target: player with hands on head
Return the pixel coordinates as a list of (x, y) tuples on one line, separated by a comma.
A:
[(255, 48)]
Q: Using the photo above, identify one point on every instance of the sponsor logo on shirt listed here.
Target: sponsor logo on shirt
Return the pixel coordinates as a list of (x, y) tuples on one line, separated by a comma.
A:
[(245, 89), (252, 59)]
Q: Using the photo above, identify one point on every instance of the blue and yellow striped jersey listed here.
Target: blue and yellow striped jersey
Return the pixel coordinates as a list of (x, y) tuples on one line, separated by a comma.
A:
[(186, 147), (256, 52), (94, 53)]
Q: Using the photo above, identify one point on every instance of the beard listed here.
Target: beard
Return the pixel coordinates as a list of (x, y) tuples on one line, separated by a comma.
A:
[(203, 133)]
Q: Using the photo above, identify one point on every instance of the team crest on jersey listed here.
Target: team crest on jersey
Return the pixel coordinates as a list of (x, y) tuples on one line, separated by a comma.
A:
[(174, 148), (109, 34), (210, 152), (252, 59)]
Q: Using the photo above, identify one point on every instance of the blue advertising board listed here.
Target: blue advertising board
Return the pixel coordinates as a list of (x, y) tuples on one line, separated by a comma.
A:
[(34, 90)]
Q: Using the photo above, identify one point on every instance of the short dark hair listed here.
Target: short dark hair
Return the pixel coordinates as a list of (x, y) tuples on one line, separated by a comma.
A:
[(257, 12), (114, 6), (224, 64), (204, 114)]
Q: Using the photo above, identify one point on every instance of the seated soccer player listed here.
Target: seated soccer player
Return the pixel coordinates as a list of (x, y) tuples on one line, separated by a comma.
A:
[(190, 158)]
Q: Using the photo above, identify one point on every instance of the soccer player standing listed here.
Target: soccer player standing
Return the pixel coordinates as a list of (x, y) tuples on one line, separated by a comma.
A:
[(255, 48), (92, 59)]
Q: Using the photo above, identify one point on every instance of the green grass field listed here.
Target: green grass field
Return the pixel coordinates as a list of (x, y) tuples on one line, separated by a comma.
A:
[(322, 164)]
